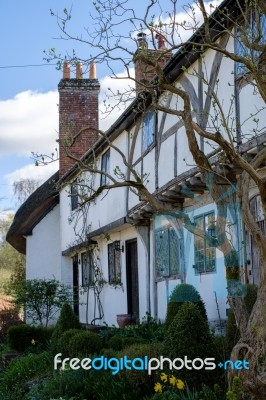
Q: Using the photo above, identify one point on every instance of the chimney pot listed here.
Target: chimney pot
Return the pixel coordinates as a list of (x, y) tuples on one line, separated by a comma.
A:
[(142, 40), (92, 70), (79, 71), (66, 70), (161, 41)]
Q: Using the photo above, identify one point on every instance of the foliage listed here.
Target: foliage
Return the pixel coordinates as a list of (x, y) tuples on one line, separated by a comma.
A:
[(42, 298), (237, 390), (148, 330), (84, 343), (23, 337), (181, 294), (67, 320), (206, 393), (14, 379), (10, 259), (181, 341), (63, 342), (8, 318), (136, 378)]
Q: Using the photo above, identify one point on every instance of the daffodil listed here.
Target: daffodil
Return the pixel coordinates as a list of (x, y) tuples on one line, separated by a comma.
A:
[(163, 377), (180, 384), (158, 387), (33, 342), (172, 380)]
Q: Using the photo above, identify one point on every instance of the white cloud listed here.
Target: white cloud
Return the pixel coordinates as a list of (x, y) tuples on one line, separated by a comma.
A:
[(121, 83), (30, 171), (28, 122)]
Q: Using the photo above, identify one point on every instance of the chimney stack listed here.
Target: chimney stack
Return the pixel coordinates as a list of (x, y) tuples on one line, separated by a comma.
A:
[(78, 112), (144, 73)]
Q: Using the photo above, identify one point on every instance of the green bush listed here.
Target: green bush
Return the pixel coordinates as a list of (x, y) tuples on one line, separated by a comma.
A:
[(19, 372), (67, 384), (183, 293), (67, 320), (63, 341), (115, 342), (84, 343), (23, 337), (139, 379), (189, 335)]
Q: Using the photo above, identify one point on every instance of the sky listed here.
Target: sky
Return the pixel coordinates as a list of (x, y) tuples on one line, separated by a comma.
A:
[(28, 84)]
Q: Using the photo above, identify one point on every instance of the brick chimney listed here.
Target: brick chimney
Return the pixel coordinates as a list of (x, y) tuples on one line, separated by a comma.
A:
[(78, 109), (144, 72)]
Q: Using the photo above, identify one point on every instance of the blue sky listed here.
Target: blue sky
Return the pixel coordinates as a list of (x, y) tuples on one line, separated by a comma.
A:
[(28, 94)]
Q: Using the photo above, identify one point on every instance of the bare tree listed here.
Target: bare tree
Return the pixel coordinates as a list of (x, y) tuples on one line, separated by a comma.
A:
[(226, 172), (24, 187)]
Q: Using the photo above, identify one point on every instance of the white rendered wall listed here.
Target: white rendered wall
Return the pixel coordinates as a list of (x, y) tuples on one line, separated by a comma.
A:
[(43, 260)]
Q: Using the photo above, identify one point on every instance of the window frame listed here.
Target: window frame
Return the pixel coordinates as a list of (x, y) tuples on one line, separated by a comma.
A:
[(87, 269), (74, 194), (105, 167), (148, 130), (168, 253), (197, 251), (114, 263)]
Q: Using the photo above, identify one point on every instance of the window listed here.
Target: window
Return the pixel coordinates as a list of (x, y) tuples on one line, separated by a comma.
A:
[(114, 262), (148, 130), (204, 252), (251, 31), (87, 269), (105, 167), (167, 252), (74, 196)]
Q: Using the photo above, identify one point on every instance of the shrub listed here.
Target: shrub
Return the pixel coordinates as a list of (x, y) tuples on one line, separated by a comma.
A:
[(42, 298), (67, 384), (67, 320), (63, 341), (23, 337), (183, 293), (15, 377), (84, 343), (8, 318), (138, 379), (115, 342), (182, 340)]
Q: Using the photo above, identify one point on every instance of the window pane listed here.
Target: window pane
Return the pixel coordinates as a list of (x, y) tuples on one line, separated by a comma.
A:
[(105, 166), (204, 254), (74, 196), (174, 252), (162, 252), (148, 129), (114, 263)]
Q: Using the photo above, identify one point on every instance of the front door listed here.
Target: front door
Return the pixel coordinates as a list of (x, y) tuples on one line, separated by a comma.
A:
[(76, 285), (132, 277)]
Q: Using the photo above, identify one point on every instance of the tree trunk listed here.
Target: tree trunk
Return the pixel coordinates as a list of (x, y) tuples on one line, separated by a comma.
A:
[(252, 347)]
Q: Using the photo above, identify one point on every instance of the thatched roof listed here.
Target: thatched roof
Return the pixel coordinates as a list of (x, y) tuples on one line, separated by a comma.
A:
[(32, 211)]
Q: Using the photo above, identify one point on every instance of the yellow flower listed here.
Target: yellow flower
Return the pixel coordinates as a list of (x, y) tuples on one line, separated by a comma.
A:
[(172, 380), (163, 377), (158, 387), (33, 342), (180, 384)]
